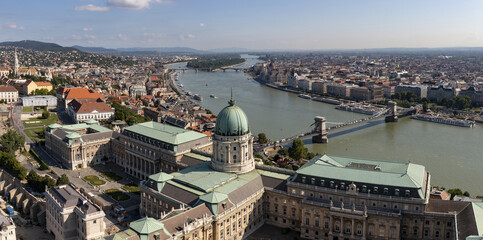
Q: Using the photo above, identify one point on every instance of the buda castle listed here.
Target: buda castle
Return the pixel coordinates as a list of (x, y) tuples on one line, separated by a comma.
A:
[(230, 196)]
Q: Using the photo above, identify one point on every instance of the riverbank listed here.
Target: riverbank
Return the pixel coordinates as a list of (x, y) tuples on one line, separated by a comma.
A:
[(174, 63)]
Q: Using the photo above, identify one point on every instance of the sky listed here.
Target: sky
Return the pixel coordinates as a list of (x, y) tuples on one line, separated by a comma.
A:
[(251, 24)]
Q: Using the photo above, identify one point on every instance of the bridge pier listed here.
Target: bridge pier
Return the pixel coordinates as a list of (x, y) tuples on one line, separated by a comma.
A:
[(320, 131), (392, 117)]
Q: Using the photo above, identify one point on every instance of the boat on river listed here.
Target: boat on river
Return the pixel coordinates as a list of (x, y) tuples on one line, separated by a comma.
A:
[(213, 96), (198, 97)]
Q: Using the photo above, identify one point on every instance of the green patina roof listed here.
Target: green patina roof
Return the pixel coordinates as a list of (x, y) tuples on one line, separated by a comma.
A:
[(92, 121), (198, 156), (73, 135), (407, 175), (55, 125), (80, 126), (478, 211), (165, 132), (232, 121), (124, 235), (202, 177), (146, 225), (160, 177), (214, 197)]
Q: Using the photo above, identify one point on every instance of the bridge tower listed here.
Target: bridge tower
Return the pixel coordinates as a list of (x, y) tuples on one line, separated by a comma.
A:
[(392, 115), (320, 131)]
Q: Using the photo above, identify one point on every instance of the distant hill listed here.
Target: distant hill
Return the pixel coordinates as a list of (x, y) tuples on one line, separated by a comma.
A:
[(137, 51), (98, 50), (40, 46), (231, 50)]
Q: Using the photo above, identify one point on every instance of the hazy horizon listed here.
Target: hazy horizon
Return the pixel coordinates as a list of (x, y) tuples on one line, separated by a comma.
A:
[(267, 25)]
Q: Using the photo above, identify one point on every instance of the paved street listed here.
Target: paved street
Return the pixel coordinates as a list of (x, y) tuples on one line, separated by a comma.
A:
[(76, 178)]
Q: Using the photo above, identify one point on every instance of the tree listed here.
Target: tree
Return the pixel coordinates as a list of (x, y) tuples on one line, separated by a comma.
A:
[(425, 106), (40, 92), (262, 138), (11, 141), (45, 114), (12, 165), (297, 151), (62, 180), (283, 152)]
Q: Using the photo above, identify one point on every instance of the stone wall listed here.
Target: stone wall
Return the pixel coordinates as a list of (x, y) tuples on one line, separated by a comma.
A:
[(23, 201)]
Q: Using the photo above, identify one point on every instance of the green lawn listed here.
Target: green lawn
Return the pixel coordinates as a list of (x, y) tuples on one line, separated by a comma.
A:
[(117, 195), (94, 180), (36, 134), (27, 109), (111, 176), (40, 122), (131, 188)]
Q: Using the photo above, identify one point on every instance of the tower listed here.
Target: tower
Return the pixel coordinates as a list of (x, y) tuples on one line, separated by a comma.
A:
[(392, 116), (320, 130), (16, 64), (232, 141)]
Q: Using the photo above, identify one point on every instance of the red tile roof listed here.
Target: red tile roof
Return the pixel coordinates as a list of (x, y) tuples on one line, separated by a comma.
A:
[(89, 105), (7, 89), (82, 93)]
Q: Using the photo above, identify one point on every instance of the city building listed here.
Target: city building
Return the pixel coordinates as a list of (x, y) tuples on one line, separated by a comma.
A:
[(7, 227), (40, 101), (440, 92), (419, 90), (330, 197), (82, 110), (4, 72), (339, 90), (69, 94), (30, 86), (8, 94), (80, 144), (151, 147), (474, 94), (72, 216)]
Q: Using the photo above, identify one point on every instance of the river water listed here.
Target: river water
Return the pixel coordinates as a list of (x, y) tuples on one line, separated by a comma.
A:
[(453, 155)]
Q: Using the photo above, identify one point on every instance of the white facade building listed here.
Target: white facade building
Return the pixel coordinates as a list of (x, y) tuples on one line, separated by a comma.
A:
[(8, 94), (71, 216), (39, 101), (7, 228)]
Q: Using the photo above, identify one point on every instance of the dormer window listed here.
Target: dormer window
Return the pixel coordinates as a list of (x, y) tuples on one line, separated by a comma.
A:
[(396, 192), (312, 181), (376, 189), (322, 182), (386, 191), (364, 188), (303, 179), (407, 193)]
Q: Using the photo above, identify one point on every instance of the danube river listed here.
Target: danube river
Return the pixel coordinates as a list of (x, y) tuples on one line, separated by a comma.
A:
[(453, 155)]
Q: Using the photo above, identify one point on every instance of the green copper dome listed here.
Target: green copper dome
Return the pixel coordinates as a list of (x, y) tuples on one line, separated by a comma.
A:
[(232, 121)]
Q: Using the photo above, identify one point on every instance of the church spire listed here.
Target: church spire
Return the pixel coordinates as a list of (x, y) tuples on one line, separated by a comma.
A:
[(232, 101)]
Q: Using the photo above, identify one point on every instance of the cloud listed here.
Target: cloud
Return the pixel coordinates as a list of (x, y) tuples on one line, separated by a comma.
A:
[(121, 37), (12, 25), (134, 4), (86, 29), (184, 37), (202, 25), (90, 37), (91, 8), (73, 37)]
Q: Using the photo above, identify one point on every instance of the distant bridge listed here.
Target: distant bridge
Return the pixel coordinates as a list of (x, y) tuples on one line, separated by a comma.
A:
[(209, 69), (320, 131)]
